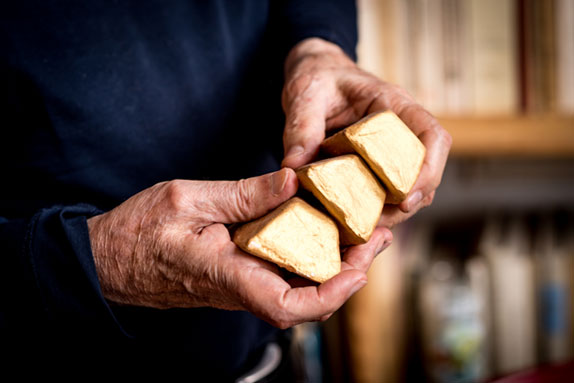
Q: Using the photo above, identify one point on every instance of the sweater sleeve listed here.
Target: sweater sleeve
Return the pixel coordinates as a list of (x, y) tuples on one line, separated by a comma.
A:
[(49, 281), (332, 20)]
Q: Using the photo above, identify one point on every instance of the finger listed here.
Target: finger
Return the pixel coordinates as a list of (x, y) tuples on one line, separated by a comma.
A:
[(393, 215), (219, 280), (360, 257), (437, 142), (247, 199), (215, 240), (305, 110), (272, 299), (363, 96)]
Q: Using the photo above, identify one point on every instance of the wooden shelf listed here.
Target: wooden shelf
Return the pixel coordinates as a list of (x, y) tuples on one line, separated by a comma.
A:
[(532, 136)]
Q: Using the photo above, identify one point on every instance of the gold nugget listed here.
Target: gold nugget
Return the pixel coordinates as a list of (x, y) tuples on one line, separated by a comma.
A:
[(349, 191), (388, 146), (297, 237)]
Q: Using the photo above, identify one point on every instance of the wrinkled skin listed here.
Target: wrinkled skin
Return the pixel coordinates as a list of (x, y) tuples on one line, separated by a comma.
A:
[(325, 90), (168, 245)]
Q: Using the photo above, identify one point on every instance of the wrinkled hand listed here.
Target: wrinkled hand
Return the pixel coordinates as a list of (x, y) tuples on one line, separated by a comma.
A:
[(168, 247), (326, 90)]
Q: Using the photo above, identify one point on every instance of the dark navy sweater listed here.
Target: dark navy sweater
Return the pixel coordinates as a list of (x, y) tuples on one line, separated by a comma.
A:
[(102, 99)]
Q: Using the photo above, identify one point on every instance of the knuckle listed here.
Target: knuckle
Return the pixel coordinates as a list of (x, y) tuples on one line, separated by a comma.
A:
[(244, 197), (282, 307), (175, 194), (299, 84), (280, 322), (442, 135), (284, 315), (401, 101), (304, 133), (403, 107), (401, 93), (304, 95), (446, 137), (429, 199)]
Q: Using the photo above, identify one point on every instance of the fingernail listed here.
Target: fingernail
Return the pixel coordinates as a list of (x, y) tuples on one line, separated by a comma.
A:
[(358, 286), (295, 151), (414, 199), (382, 246), (278, 181)]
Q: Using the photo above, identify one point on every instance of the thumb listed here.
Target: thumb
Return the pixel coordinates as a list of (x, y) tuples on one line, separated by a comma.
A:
[(304, 127), (251, 198)]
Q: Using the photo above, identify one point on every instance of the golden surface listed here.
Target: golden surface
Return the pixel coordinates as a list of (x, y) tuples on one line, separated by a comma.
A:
[(349, 191), (388, 146), (297, 237)]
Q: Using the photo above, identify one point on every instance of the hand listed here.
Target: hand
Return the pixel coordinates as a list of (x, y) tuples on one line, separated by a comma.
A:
[(168, 247), (325, 90)]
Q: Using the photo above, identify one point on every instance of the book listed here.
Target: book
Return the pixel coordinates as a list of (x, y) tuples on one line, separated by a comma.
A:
[(564, 16), (480, 284), (553, 253), (505, 245), (481, 57), (458, 85), (452, 330), (429, 45), (538, 35), (371, 49), (494, 55)]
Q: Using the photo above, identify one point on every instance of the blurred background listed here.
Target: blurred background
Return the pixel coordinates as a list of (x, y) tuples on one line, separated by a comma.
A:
[(480, 286)]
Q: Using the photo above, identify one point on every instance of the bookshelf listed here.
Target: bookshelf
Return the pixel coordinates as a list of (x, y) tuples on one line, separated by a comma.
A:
[(471, 59), (499, 76), (518, 136)]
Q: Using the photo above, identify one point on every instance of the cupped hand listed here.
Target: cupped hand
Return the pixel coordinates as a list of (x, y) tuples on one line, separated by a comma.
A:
[(325, 90), (168, 246)]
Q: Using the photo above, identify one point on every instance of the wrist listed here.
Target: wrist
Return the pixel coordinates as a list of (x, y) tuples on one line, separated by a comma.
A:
[(96, 243), (108, 265), (312, 48)]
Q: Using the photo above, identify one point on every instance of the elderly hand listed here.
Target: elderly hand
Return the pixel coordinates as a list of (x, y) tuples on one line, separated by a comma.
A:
[(168, 247), (325, 90)]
